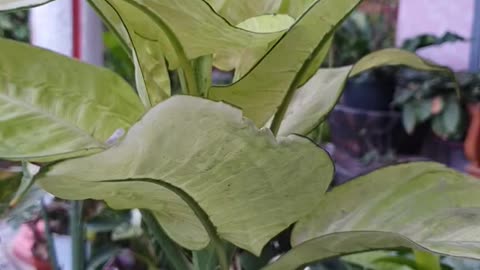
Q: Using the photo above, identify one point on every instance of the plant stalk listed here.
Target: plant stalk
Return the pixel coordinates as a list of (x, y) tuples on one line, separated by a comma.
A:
[(77, 234), (52, 255), (173, 252)]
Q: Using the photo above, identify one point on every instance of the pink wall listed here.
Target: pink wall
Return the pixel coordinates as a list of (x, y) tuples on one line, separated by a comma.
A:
[(437, 17)]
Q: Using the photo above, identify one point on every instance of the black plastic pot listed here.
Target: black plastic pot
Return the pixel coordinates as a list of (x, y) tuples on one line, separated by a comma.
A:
[(369, 91), (450, 153)]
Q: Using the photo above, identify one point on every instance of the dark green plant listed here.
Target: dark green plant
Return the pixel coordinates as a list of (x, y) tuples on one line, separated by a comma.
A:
[(225, 169), (15, 25), (117, 59), (435, 99)]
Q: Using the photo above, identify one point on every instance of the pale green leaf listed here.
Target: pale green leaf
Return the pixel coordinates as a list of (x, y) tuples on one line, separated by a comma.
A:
[(317, 59), (193, 161), (267, 23), (312, 102), (53, 107), (184, 28), (236, 11), (274, 79), (151, 74), (395, 57), (242, 61), (18, 4), (423, 205), (295, 7)]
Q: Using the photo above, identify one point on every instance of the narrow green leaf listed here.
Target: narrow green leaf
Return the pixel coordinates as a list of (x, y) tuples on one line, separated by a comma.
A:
[(79, 106), (451, 115), (205, 172), (19, 4), (409, 117), (423, 205), (312, 102), (396, 57), (272, 82)]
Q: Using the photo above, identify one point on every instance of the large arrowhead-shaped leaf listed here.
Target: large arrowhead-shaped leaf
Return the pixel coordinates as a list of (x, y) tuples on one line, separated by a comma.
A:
[(418, 205), (274, 79), (312, 102), (199, 166), (17, 4), (52, 107)]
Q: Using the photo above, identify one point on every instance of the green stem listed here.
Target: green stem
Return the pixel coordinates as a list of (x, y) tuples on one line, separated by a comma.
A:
[(427, 261), (173, 252), (189, 77), (52, 255), (202, 67), (77, 234)]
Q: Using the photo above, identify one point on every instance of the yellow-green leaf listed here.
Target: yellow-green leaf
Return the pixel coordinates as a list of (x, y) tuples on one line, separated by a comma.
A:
[(53, 107), (151, 74), (243, 60), (312, 102), (422, 205), (199, 166), (280, 72)]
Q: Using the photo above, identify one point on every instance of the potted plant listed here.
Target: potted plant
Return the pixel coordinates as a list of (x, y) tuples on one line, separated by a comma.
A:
[(366, 121), (433, 101), (208, 168)]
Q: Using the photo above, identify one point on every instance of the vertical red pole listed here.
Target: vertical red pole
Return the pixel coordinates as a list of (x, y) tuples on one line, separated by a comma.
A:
[(77, 28)]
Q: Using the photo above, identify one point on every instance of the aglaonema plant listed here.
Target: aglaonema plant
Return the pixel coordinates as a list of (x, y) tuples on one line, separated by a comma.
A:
[(222, 165)]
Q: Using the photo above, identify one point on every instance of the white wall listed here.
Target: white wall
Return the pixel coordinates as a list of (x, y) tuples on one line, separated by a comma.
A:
[(51, 28), (437, 17)]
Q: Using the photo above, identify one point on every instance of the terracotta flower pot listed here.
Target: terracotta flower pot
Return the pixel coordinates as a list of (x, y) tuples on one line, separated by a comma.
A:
[(472, 141)]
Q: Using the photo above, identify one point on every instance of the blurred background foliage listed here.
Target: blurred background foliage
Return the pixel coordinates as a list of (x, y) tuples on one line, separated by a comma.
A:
[(14, 25)]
